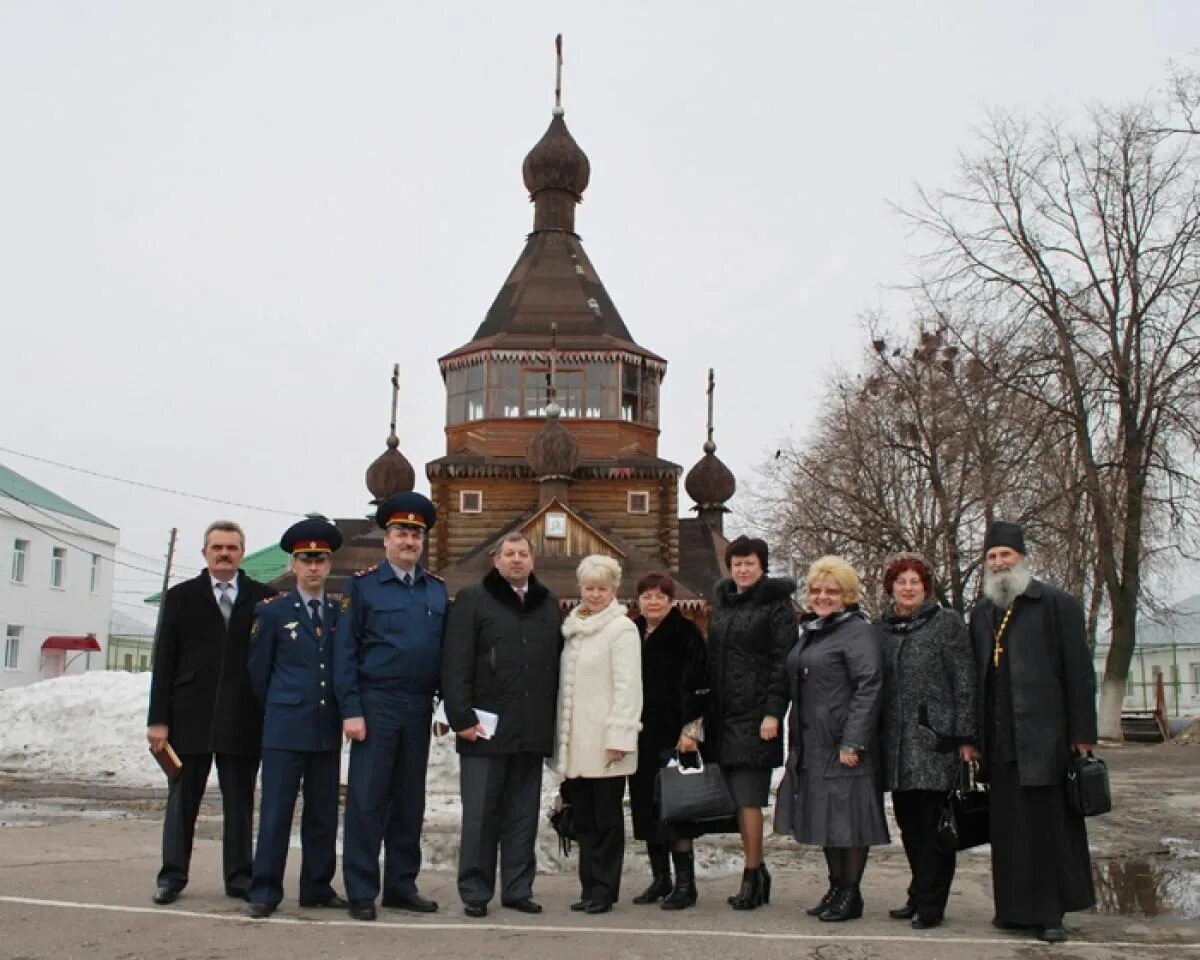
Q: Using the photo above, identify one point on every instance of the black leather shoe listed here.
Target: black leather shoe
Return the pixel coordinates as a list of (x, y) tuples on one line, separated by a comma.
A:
[(597, 906), (925, 923), (580, 906), (906, 912), (259, 911), (525, 905), (409, 901), (167, 893), (362, 910), (237, 891), (1055, 934), (330, 903), (475, 909)]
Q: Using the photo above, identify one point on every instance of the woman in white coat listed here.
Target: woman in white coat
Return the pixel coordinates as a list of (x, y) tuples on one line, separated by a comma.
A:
[(599, 711)]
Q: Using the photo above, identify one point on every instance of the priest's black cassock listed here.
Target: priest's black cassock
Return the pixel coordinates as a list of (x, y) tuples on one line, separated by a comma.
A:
[(1038, 698)]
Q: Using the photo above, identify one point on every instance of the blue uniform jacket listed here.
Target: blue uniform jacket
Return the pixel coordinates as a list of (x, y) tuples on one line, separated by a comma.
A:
[(291, 673), (391, 634)]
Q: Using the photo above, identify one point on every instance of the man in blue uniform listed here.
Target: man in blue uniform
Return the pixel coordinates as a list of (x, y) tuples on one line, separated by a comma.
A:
[(387, 673), (291, 672)]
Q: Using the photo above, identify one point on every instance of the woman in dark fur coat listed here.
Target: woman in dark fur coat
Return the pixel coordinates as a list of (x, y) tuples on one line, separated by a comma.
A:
[(928, 724), (751, 631), (674, 682)]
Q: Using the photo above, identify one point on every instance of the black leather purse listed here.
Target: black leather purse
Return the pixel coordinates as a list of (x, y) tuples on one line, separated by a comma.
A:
[(692, 794), (1089, 792), (562, 819), (963, 822)]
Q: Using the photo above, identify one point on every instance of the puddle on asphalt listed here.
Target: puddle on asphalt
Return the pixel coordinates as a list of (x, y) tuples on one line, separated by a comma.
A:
[(1153, 887)]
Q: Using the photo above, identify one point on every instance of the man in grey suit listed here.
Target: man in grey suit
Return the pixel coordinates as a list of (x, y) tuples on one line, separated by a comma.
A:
[(501, 654)]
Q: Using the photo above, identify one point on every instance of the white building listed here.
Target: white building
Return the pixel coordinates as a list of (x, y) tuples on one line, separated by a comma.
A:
[(1168, 645), (56, 583)]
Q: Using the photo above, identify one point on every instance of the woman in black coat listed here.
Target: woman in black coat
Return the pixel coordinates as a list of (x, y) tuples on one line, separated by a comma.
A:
[(831, 795), (749, 635), (928, 725), (674, 682)]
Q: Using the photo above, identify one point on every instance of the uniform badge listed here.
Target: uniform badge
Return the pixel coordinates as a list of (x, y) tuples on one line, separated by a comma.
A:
[(345, 603), (292, 627), (254, 630)]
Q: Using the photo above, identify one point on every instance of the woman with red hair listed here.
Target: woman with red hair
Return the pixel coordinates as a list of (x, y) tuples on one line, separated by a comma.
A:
[(928, 725)]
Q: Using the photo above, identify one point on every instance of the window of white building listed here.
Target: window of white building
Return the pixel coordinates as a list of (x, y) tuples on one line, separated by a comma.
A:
[(1194, 670), (58, 566), (12, 648), (94, 582), (20, 555)]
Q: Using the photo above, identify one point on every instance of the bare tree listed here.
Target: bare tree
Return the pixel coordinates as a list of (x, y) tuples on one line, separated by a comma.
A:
[(1088, 246)]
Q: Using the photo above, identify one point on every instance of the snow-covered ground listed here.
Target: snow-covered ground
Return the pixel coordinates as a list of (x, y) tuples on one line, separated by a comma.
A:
[(92, 727)]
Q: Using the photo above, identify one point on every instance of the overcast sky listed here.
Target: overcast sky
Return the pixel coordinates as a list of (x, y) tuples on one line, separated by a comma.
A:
[(222, 222)]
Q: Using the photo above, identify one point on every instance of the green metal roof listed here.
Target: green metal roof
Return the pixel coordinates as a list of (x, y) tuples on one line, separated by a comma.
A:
[(16, 487), (264, 565)]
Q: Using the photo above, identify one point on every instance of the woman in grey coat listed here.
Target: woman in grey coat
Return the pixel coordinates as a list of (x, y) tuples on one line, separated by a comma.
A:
[(831, 793), (928, 724)]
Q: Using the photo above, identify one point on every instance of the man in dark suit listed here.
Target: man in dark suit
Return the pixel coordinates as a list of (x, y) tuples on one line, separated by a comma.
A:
[(291, 671), (502, 650), (201, 702)]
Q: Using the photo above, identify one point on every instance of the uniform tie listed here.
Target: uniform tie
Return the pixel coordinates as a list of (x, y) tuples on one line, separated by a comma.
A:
[(314, 607), (407, 579), (226, 602)]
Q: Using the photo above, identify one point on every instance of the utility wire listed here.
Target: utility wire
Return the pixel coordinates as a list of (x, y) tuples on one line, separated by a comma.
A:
[(151, 486)]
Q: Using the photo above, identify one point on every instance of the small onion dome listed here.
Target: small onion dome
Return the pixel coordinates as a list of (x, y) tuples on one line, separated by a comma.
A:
[(553, 452), (710, 483), (556, 162), (391, 473)]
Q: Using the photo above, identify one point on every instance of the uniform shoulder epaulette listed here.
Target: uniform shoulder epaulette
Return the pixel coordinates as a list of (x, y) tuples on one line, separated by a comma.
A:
[(370, 569), (434, 576), (270, 600)]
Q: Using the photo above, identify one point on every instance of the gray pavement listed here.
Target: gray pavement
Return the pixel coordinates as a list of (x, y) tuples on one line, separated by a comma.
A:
[(79, 886)]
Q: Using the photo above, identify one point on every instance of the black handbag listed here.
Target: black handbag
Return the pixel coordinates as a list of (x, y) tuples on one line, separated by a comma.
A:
[(692, 794), (1089, 792), (963, 822), (562, 819)]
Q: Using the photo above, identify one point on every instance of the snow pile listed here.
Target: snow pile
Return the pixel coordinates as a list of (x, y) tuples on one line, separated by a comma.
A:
[(91, 726), (1191, 733)]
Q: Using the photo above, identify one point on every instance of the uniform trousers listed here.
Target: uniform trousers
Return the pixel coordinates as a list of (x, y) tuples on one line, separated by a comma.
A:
[(917, 813), (600, 830), (501, 799), (283, 772), (385, 795), (235, 775)]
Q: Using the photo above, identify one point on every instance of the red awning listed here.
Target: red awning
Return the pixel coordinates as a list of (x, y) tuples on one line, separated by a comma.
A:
[(71, 643)]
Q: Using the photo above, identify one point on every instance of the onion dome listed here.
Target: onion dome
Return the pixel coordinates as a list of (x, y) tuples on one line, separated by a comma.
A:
[(391, 473), (553, 452), (556, 162), (710, 483)]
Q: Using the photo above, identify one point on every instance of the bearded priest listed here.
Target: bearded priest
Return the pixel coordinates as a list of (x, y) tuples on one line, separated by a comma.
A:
[(1038, 701)]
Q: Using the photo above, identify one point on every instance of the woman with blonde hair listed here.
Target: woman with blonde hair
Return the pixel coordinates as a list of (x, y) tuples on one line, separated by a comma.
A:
[(831, 793), (599, 710)]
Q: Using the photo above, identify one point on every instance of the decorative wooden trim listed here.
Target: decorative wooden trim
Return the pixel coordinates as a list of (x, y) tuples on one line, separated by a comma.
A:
[(637, 502), (470, 501)]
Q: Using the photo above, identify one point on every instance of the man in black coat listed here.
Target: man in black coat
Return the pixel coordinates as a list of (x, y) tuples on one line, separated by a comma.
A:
[(202, 704), (501, 655), (1037, 696)]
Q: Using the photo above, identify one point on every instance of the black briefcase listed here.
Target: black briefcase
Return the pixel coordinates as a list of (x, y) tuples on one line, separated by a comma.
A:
[(1089, 792), (964, 820), (692, 794)]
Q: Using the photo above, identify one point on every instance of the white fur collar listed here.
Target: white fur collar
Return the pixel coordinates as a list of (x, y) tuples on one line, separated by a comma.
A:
[(579, 624)]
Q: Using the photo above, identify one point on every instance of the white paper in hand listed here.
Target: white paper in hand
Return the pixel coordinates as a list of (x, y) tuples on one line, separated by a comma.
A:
[(487, 719)]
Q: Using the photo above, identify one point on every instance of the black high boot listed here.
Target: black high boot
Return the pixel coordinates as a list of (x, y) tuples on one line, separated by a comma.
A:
[(833, 863), (826, 897), (749, 897), (684, 894), (660, 868)]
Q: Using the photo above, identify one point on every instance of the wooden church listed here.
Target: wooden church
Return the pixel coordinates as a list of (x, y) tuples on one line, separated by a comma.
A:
[(552, 426)]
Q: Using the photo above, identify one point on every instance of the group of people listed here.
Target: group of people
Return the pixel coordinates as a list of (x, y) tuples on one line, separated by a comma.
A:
[(899, 704)]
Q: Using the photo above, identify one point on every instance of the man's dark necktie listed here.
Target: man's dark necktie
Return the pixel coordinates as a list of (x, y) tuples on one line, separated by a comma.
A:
[(315, 607)]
